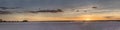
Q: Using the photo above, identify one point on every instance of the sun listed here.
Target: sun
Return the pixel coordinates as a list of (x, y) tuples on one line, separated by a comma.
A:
[(87, 19)]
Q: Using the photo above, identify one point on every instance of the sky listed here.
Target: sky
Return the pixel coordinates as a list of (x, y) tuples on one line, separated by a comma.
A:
[(106, 10)]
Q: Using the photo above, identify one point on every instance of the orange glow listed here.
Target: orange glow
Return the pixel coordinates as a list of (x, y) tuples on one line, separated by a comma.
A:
[(87, 17), (77, 18)]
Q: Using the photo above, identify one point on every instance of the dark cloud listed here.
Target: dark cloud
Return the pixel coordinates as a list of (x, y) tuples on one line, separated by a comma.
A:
[(109, 17), (53, 4), (5, 12), (50, 4), (5, 8), (50, 11)]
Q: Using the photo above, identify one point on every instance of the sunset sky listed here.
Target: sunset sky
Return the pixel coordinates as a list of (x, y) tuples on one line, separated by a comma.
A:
[(106, 10)]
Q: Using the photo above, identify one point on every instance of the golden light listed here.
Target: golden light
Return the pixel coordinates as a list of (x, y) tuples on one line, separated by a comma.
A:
[(88, 19)]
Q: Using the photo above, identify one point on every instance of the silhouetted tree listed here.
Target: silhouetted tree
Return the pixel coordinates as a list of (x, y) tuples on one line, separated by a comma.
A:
[(59, 10), (25, 20), (94, 7), (1, 20)]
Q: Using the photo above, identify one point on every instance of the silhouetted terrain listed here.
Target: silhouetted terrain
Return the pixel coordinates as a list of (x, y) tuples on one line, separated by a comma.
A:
[(60, 26), (65, 21)]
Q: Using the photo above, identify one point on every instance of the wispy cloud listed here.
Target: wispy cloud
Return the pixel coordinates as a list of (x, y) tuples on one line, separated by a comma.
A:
[(5, 12)]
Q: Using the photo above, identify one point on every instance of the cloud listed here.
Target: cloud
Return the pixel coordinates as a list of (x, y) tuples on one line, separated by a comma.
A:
[(109, 4), (53, 4), (31, 6), (5, 12)]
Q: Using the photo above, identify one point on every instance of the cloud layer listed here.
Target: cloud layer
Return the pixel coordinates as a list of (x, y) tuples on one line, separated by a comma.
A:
[(104, 8)]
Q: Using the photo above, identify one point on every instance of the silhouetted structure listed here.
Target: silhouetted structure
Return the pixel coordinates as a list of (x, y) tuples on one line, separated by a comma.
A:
[(25, 21)]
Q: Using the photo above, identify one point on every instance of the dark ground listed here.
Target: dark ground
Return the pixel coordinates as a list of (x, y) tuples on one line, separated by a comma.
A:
[(60, 26)]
